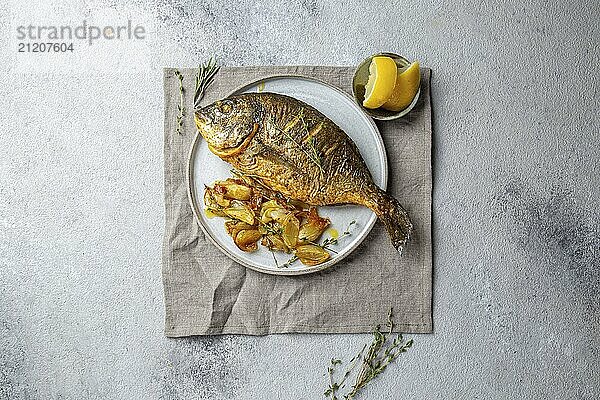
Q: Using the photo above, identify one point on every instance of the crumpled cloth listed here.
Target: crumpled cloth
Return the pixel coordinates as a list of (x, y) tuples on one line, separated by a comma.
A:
[(206, 293)]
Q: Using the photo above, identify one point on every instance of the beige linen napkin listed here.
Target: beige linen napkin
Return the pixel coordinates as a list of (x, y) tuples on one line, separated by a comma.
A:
[(206, 293)]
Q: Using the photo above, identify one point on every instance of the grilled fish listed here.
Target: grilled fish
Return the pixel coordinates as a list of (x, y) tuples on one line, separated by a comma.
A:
[(292, 148)]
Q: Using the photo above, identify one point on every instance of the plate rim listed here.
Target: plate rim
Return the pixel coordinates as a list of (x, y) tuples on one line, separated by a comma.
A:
[(193, 201)]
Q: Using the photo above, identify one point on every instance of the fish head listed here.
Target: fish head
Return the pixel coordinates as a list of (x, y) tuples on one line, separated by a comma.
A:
[(227, 124)]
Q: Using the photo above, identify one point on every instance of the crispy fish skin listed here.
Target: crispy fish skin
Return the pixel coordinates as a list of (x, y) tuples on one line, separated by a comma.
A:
[(296, 150)]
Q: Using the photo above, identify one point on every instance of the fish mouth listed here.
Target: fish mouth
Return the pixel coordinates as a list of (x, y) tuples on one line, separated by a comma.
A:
[(201, 120), (232, 151)]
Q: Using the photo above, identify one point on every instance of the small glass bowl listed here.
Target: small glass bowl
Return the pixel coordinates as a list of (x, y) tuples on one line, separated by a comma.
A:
[(361, 76)]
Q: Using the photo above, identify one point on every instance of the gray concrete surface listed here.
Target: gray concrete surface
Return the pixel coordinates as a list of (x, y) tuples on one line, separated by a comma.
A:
[(516, 203)]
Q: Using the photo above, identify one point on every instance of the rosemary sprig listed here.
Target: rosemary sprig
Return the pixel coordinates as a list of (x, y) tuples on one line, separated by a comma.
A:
[(312, 144), (204, 77), (180, 106), (312, 152), (374, 362)]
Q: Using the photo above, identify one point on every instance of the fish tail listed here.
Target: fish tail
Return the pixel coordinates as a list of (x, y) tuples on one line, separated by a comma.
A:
[(394, 218)]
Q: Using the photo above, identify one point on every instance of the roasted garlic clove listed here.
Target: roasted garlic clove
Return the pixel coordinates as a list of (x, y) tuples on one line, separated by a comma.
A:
[(291, 226), (214, 200), (242, 213), (266, 209), (300, 205), (274, 242), (280, 215), (233, 226), (313, 228), (310, 254), (246, 239), (231, 189)]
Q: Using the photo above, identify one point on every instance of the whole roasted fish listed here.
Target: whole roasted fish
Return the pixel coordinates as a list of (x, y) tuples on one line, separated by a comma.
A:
[(294, 149)]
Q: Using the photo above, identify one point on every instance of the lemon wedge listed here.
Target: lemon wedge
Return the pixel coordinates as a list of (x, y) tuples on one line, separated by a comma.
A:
[(381, 83), (405, 90)]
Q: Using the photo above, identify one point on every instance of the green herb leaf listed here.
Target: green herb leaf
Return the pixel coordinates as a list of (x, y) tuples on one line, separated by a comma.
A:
[(379, 354), (204, 77), (180, 106)]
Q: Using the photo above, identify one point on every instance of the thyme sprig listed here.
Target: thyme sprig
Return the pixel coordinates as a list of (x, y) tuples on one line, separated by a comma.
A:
[(380, 353), (331, 240), (335, 386), (180, 106), (271, 228), (204, 77), (290, 261)]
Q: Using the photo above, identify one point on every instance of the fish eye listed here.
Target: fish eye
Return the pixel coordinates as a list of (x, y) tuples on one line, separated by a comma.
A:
[(225, 107)]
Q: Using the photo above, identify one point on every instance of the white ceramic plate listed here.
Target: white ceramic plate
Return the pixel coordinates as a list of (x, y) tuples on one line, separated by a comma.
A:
[(204, 168)]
